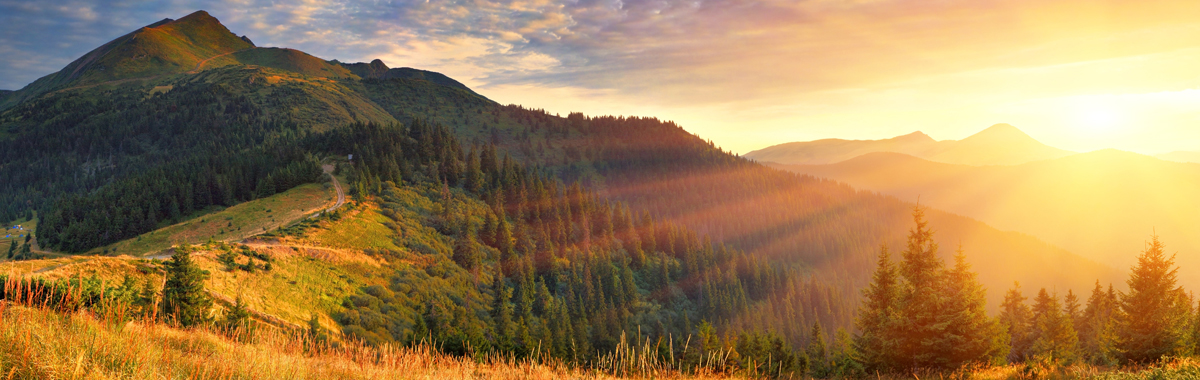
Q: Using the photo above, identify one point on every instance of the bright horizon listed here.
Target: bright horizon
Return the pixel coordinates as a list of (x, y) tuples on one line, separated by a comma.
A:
[(1076, 75)]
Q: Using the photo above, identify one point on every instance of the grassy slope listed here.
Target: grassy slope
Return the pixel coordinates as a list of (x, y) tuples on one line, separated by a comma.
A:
[(292, 60), (312, 272), (233, 223)]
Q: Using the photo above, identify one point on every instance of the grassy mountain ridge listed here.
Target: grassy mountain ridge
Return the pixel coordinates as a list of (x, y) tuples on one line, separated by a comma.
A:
[(1000, 144), (378, 70), (163, 48)]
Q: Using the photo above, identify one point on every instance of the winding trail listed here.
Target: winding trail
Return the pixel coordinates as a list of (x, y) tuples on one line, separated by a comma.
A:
[(341, 195), (339, 200)]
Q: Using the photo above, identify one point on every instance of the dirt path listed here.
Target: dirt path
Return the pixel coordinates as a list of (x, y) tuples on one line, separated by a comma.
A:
[(341, 195), (339, 200)]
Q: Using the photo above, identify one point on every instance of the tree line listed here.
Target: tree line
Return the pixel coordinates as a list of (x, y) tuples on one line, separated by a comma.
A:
[(917, 314)]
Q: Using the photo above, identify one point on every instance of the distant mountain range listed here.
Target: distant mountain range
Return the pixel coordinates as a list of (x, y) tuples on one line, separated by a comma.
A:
[(1000, 144), (1181, 156), (1102, 205)]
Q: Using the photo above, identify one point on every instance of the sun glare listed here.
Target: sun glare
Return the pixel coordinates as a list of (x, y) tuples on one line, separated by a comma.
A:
[(1098, 120)]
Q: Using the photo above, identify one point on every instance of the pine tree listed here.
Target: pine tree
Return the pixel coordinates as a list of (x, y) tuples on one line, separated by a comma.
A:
[(184, 300), (1152, 325), (146, 299), (466, 250), (1017, 320), (1054, 333), (818, 357), (969, 333), (502, 311), (876, 338), (924, 275), (475, 179), (1071, 307), (238, 317), (847, 362)]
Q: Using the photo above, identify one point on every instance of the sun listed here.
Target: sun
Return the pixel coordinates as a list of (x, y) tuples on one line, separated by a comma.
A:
[(1098, 120)]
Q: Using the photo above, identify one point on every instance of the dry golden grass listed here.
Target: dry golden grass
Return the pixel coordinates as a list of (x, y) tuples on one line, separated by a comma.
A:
[(38, 343)]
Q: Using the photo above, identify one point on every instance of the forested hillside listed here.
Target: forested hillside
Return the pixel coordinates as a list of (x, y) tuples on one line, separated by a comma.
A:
[(823, 226)]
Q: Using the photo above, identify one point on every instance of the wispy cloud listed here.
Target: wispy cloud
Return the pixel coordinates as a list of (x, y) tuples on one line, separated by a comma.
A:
[(820, 64)]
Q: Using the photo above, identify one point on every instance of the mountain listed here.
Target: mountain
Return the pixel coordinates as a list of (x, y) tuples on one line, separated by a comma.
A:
[(1000, 144), (162, 48), (630, 223), (378, 70), (1181, 156), (1101, 204)]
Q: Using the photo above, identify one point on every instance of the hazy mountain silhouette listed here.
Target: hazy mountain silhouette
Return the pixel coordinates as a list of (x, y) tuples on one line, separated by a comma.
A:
[(1000, 144), (1181, 156)]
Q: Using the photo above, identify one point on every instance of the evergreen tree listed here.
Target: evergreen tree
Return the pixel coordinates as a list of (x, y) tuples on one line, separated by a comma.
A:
[(969, 333), (1071, 307), (238, 317), (502, 311), (1054, 333), (146, 300), (12, 249), (184, 300), (1017, 320), (1098, 327), (475, 180), (1153, 325), (846, 361), (921, 314), (876, 338), (466, 250), (818, 356)]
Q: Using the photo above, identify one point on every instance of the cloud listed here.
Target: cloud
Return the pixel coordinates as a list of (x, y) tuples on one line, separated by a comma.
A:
[(820, 64)]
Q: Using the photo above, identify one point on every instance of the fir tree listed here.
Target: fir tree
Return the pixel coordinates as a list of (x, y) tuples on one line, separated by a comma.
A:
[(466, 250), (1098, 327), (184, 300), (502, 311), (1017, 320), (924, 275), (1153, 325), (237, 319), (876, 339), (1054, 333), (818, 356), (847, 362), (969, 333)]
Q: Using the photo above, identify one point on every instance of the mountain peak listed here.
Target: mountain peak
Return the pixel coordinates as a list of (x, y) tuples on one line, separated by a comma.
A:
[(1000, 131), (200, 16), (915, 137)]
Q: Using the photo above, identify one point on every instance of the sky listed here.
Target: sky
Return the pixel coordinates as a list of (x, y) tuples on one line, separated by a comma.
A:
[(747, 74)]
